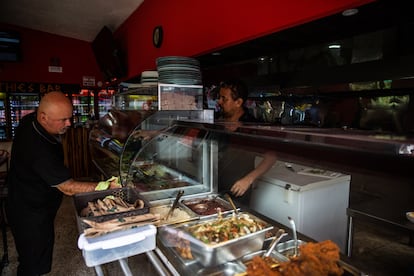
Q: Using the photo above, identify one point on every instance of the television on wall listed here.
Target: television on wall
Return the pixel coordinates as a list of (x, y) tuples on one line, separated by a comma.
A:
[(10, 46), (108, 55)]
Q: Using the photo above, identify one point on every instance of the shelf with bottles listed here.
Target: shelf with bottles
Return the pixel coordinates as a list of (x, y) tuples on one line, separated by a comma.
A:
[(105, 99), (82, 106)]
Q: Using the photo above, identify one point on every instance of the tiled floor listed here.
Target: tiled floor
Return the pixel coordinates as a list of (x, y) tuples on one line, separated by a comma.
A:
[(68, 259), (377, 251)]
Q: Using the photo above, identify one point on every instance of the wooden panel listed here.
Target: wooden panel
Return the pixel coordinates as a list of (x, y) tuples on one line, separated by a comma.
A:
[(77, 155)]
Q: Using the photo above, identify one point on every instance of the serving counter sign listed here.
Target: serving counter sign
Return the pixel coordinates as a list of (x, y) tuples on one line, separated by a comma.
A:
[(31, 87), (88, 81), (55, 69)]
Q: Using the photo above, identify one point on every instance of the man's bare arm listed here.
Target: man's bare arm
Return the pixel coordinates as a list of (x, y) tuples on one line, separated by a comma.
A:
[(71, 187)]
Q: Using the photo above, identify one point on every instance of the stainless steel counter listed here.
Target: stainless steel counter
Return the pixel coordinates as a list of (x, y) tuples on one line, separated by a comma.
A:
[(171, 263)]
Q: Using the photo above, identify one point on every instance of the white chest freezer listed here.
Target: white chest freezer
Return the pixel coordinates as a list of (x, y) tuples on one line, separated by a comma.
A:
[(316, 199)]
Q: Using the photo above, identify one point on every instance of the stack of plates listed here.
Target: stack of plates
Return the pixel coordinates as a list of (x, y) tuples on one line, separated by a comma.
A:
[(149, 77), (178, 70)]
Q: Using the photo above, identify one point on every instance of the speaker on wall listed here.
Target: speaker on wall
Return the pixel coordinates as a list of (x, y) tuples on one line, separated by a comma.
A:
[(108, 55)]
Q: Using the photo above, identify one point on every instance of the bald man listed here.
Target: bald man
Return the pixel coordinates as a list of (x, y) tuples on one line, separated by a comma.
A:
[(37, 181)]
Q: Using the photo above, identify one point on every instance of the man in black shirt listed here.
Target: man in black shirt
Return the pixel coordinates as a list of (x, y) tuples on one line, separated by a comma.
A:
[(236, 167), (36, 181)]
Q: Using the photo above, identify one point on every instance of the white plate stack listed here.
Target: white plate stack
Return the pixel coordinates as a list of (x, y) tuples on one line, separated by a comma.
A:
[(149, 77), (179, 70)]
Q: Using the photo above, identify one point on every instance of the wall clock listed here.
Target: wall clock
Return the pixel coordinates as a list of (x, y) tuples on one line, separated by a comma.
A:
[(157, 36)]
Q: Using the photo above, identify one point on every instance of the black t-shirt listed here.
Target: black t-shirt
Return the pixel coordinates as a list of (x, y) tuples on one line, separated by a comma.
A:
[(234, 162), (36, 166)]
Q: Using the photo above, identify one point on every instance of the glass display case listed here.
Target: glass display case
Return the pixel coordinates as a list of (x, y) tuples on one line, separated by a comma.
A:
[(119, 135), (134, 117), (108, 136), (180, 97), (160, 97), (138, 97), (177, 158)]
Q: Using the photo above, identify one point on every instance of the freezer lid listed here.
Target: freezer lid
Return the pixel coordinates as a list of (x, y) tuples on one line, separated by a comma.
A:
[(299, 177)]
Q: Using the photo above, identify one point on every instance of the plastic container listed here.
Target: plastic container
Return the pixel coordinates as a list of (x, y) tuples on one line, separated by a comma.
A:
[(117, 245)]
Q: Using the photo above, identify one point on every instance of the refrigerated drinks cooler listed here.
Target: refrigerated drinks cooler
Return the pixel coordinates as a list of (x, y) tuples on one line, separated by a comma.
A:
[(82, 106), (19, 106), (3, 116), (104, 101)]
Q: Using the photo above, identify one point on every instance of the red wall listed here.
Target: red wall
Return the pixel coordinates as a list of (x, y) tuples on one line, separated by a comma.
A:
[(76, 58), (192, 28)]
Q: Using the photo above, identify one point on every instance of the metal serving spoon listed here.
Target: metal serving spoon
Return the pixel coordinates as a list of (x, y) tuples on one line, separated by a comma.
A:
[(295, 236)]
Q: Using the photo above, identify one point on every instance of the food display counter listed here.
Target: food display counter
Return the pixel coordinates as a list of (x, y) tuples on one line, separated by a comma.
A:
[(193, 149), (182, 155), (183, 158)]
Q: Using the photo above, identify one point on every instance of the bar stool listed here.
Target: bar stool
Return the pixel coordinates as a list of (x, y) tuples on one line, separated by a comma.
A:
[(4, 159)]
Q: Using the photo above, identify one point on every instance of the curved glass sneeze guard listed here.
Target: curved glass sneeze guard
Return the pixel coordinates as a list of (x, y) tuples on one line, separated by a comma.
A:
[(152, 126), (107, 138), (178, 158)]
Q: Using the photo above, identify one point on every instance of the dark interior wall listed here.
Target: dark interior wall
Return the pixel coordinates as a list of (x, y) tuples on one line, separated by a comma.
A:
[(40, 50), (193, 28)]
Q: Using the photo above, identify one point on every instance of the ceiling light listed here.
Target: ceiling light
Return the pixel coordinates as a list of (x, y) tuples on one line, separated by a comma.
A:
[(334, 46), (216, 54), (349, 12)]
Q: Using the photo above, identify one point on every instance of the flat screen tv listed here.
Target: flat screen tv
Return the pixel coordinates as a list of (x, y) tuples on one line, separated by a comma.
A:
[(10, 46), (108, 55)]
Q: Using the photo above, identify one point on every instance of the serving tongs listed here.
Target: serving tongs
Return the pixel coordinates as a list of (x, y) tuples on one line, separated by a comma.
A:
[(280, 234), (229, 199), (174, 206)]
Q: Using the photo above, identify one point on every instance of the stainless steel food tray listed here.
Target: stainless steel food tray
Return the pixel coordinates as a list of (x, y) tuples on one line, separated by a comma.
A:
[(203, 202), (239, 266), (128, 194), (287, 248), (217, 254), (180, 208)]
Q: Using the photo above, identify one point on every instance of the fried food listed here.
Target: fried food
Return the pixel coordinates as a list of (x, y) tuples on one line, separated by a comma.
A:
[(315, 259)]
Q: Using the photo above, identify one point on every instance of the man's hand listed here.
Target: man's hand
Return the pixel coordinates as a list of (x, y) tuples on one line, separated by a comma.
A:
[(241, 186)]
